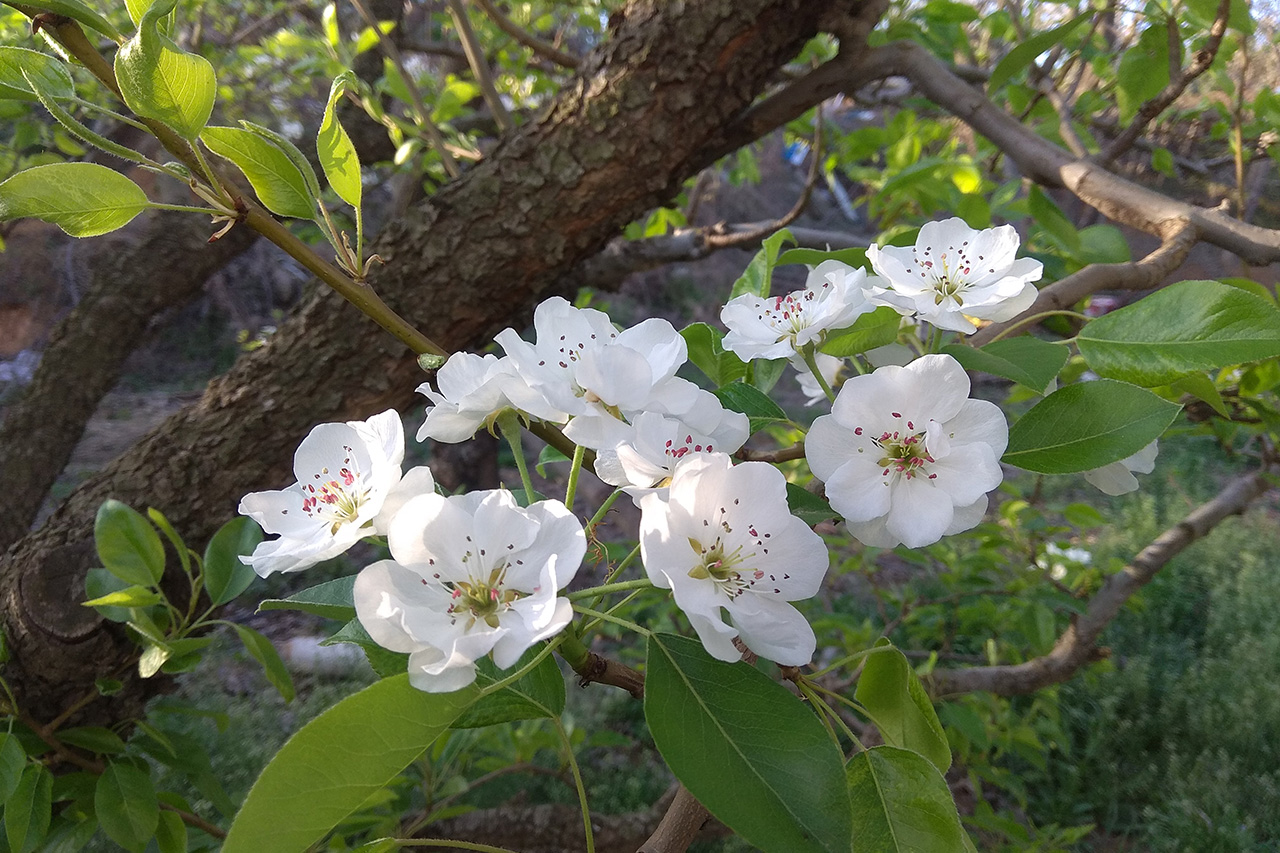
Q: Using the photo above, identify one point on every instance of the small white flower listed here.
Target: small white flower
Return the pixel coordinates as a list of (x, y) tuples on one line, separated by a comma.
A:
[(1117, 478), (834, 295), (472, 391), (346, 472), (831, 368), (472, 574), (647, 451), (906, 456), (722, 538), (954, 272)]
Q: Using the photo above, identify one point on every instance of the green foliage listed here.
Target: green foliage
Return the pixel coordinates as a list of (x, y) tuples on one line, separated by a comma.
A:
[(752, 402), (540, 693), (758, 276), (1031, 362), (24, 72), (163, 82), (281, 186), (874, 329), (331, 599), (901, 803), (29, 809), (128, 545), (83, 199), (1024, 53), (265, 653), (892, 695), (126, 806), (709, 355), (225, 574), (713, 721), (337, 154)]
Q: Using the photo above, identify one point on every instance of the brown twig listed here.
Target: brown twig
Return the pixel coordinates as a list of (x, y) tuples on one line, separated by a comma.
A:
[(599, 669), (195, 820), (784, 454), (545, 49), (479, 64), (679, 826), (1076, 646)]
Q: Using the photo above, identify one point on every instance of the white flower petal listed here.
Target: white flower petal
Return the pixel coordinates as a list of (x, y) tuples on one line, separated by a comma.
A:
[(773, 629)]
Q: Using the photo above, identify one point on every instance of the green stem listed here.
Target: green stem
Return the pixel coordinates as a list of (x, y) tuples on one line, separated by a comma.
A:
[(1035, 318), (90, 105), (577, 782), (524, 670), (155, 205), (617, 570), (604, 507), (853, 658), (509, 426), (571, 490), (591, 626), (572, 649), (609, 617), (935, 340), (829, 716), (808, 353), (600, 591)]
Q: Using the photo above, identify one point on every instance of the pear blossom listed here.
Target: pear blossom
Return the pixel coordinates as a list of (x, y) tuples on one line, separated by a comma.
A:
[(471, 575), (346, 473), (723, 539), (646, 454), (831, 369), (954, 273), (473, 390), (1117, 478), (906, 456), (834, 295)]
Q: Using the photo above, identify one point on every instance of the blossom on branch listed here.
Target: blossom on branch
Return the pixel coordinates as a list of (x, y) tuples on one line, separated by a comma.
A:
[(646, 452), (471, 575), (834, 295), (473, 391), (346, 473), (906, 456), (954, 273), (1117, 478), (722, 538)]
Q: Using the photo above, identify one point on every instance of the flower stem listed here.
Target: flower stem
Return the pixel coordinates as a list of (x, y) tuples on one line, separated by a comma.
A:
[(155, 205), (591, 626), (571, 490), (1034, 318), (811, 361), (811, 691), (604, 507), (572, 649), (609, 617), (509, 426), (642, 583), (853, 658), (526, 669), (577, 783)]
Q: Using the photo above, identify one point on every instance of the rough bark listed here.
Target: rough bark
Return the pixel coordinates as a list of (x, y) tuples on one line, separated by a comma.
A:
[(654, 104)]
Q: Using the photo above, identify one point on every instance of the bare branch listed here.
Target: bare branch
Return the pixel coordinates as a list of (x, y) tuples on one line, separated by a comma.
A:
[(479, 64), (785, 454), (599, 669), (1135, 275), (1076, 647), (545, 49), (1179, 79), (679, 827)]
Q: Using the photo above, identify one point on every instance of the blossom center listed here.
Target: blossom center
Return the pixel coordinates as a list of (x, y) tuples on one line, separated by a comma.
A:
[(903, 453), (338, 498), (727, 566), (677, 450), (482, 599), (949, 274), (792, 313)]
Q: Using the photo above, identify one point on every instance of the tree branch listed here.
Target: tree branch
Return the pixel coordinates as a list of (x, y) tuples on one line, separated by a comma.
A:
[(680, 825), (545, 49), (479, 64), (1076, 647)]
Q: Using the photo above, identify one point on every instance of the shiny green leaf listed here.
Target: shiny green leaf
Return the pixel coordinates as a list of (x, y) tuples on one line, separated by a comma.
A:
[(538, 694), (280, 184), (337, 153), (161, 81), (225, 575), (128, 545), (126, 806), (899, 706), (1028, 361), (901, 804), (24, 72), (29, 809), (331, 599), (758, 276), (874, 329), (83, 199)]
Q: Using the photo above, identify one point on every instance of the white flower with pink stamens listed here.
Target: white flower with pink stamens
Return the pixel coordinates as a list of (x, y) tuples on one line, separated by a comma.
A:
[(906, 456), (346, 473), (834, 295), (722, 539), (646, 452), (955, 272), (472, 575), (473, 391)]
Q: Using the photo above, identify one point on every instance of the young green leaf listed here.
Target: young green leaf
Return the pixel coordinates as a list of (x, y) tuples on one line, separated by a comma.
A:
[(758, 275), (709, 355), (764, 373), (291, 151), (279, 183), (901, 804), (128, 545), (99, 583), (337, 154), (752, 402), (12, 761), (24, 72), (854, 257), (1184, 328), (384, 662), (749, 750), (161, 81), (900, 708), (265, 653), (331, 599), (338, 760), (162, 523), (29, 809), (1085, 426), (539, 694), (126, 806), (83, 199), (225, 576), (1026, 51), (1029, 361), (807, 506), (131, 596), (875, 329), (77, 11)]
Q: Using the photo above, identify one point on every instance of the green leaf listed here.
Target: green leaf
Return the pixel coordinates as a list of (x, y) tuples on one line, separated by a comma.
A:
[(128, 545), (225, 576), (171, 833), (281, 186), (29, 809), (1200, 386), (338, 760), (855, 257), (1162, 162), (1103, 244), (749, 750), (130, 596), (1026, 51), (161, 81), (765, 373), (875, 329), (758, 276), (12, 760), (539, 694), (83, 199), (807, 506), (1143, 70), (709, 355), (899, 706), (126, 806), (265, 653), (153, 657), (1050, 217), (385, 663), (1184, 328), (338, 155), (184, 553), (189, 757), (96, 739), (901, 804), (76, 11), (331, 599), (1085, 426), (752, 402), (100, 582), (1029, 361), (295, 155), (24, 72)]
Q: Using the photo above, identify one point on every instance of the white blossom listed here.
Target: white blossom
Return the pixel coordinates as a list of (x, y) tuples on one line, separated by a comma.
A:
[(954, 273), (1117, 478), (346, 472), (473, 390), (906, 456), (834, 295), (646, 452), (471, 575), (723, 539)]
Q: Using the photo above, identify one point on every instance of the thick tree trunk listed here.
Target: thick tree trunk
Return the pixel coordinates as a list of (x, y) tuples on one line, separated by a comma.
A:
[(661, 99)]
